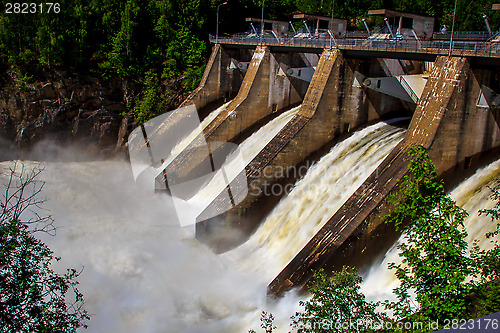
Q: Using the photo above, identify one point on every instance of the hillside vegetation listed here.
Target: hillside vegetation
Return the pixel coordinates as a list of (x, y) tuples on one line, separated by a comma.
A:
[(159, 41)]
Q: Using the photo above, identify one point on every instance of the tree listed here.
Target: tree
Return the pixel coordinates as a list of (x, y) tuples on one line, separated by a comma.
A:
[(337, 305), (489, 262), (266, 322), (436, 267), (33, 298), (153, 101), (435, 263)]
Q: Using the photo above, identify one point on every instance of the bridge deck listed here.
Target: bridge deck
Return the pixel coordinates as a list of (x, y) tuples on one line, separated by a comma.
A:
[(485, 52)]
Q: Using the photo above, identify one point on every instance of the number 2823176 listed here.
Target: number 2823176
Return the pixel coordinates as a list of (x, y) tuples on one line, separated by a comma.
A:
[(32, 8)]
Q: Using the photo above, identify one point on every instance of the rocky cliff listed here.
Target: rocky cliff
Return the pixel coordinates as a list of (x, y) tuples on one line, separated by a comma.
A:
[(65, 109)]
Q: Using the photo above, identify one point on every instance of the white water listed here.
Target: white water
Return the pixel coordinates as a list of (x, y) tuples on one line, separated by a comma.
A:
[(315, 198), (245, 154), (142, 273), (184, 143), (472, 195)]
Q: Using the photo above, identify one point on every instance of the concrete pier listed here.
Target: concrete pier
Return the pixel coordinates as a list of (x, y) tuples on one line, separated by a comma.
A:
[(332, 106), (219, 80), (456, 117)]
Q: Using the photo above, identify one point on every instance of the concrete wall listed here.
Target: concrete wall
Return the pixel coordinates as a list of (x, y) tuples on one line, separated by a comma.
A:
[(219, 80), (470, 129), (262, 95), (333, 105)]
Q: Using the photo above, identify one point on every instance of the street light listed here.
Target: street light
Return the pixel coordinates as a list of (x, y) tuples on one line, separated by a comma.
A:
[(452, 29), (487, 24), (217, 29), (262, 22)]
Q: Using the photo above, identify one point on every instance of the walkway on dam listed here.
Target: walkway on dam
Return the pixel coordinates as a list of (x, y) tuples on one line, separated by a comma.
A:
[(388, 48)]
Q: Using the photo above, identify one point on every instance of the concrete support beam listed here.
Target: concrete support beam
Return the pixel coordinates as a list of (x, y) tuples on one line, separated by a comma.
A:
[(241, 65), (331, 107), (302, 73), (262, 94), (408, 88), (470, 130)]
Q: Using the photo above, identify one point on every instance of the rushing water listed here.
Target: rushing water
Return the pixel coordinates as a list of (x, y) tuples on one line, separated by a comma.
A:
[(184, 143), (246, 153), (315, 198), (143, 273)]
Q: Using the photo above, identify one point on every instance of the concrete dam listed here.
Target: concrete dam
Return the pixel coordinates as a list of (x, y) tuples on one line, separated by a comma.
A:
[(320, 96)]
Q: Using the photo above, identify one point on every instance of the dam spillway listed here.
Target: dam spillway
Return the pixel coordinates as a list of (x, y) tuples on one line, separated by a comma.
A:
[(453, 117), (315, 198)]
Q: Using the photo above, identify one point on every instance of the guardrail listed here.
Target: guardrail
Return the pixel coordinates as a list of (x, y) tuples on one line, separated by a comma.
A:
[(461, 35), (440, 47)]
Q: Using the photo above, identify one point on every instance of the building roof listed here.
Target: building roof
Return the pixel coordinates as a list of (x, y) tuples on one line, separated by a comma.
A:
[(394, 13), (496, 6), (259, 20), (316, 17)]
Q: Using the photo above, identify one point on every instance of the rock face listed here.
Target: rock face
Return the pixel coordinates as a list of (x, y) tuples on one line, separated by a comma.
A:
[(67, 110)]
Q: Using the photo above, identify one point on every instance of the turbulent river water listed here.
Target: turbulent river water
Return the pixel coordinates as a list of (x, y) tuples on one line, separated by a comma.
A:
[(142, 272)]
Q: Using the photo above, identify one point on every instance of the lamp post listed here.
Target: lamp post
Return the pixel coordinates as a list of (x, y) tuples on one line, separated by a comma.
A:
[(487, 24), (452, 29), (262, 22), (217, 29)]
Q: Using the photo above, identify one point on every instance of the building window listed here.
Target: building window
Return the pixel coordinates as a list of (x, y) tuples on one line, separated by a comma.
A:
[(407, 23)]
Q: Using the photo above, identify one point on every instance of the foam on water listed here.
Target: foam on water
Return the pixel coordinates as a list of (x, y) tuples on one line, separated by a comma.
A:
[(314, 199)]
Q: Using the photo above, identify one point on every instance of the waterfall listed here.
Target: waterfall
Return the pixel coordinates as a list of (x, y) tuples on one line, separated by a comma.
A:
[(315, 198), (472, 195), (184, 143), (142, 272), (246, 153)]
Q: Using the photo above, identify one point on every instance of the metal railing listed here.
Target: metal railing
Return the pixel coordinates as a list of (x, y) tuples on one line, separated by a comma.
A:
[(462, 35), (461, 48)]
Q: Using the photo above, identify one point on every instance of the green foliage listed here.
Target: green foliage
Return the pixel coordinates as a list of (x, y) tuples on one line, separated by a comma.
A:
[(336, 300), (192, 77), (489, 299), (112, 38), (494, 212), (128, 38), (152, 102), (32, 295), (488, 261), (437, 271), (266, 322), (435, 263)]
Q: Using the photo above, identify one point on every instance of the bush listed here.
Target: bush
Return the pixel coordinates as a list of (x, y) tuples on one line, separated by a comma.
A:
[(33, 298)]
